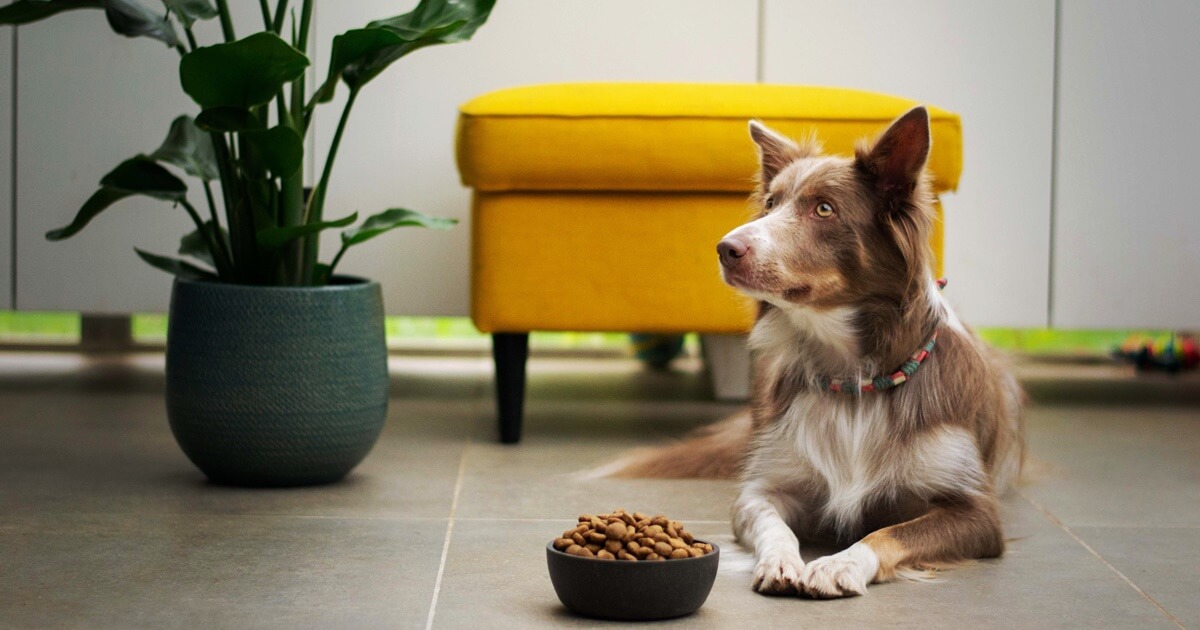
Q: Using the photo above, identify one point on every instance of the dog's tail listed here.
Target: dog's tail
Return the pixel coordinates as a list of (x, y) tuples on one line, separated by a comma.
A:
[(712, 452)]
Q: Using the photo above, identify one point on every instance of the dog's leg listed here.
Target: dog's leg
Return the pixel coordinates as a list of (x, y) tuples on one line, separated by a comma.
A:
[(759, 522), (950, 531)]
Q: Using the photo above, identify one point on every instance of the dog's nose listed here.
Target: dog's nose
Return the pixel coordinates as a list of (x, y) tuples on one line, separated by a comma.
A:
[(731, 250)]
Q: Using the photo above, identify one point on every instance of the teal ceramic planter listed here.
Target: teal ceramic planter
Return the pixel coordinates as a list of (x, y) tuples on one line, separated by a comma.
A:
[(276, 386)]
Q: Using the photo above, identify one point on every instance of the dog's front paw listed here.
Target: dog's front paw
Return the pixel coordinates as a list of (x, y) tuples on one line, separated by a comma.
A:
[(778, 574), (840, 575)]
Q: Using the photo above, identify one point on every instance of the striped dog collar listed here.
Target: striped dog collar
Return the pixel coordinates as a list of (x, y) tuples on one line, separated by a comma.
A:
[(900, 376), (880, 383)]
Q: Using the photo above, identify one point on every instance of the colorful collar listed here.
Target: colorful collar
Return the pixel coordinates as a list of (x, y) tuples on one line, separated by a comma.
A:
[(901, 375)]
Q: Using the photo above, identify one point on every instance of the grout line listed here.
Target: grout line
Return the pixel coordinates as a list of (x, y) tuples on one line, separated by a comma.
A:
[(437, 584), (1063, 526), (760, 44), (1054, 119)]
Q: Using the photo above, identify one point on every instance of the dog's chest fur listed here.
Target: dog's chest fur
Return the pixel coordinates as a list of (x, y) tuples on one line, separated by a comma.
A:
[(840, 455)]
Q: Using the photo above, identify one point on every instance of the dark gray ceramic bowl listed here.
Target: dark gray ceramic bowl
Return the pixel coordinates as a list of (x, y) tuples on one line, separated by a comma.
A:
[(632, 591)]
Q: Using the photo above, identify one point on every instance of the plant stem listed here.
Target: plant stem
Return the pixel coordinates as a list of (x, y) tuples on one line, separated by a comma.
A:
[(309, 107), (191, 37), (226, 20), (266, 14), (281, 111), (316, 204), (229, 193), (306, 11), (336, 260), (280, 11), (218, 260), (291, 202), (299, 115), (212, 209)]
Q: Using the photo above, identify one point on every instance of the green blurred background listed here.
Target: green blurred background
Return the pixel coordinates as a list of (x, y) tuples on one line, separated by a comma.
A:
[(459, 333)]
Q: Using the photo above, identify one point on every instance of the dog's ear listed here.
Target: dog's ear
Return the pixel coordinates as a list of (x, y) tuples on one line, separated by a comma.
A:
[(774, 150), (898, 157)]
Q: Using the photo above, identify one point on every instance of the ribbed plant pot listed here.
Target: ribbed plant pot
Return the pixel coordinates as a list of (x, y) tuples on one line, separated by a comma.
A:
[(276, 386)]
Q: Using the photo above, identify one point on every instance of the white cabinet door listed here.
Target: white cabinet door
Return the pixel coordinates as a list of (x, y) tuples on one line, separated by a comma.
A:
[(398, 149), (991, 62), (1127, 217), (87, 99), (6, 120)]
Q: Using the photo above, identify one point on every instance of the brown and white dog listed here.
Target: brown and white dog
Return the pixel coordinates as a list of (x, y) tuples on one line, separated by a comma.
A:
[(838, 260)]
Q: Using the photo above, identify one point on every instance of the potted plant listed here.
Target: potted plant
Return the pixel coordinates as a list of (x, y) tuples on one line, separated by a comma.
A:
[(276, 365)]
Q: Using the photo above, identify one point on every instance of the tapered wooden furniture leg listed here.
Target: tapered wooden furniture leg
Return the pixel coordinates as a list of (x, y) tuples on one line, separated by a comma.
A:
[(510, 350)]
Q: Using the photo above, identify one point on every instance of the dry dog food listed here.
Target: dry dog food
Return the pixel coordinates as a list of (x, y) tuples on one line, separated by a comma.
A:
[(624, 536)]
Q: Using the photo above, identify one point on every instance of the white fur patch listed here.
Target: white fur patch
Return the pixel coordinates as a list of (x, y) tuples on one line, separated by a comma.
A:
[(779, 334), (940, 303), (759, 522), (948, 461), (798, 172), (842, 574), (788, 183), (846, 446)]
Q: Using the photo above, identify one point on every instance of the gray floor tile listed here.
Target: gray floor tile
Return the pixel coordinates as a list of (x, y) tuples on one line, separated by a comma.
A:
[(571, 427), (1103, 465), (1162, 561), (123, 571), (498, 568), (543, 478), (97, 442), (105, 522)]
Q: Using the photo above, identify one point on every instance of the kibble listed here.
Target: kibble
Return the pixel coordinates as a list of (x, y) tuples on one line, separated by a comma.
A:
[(630, 537)]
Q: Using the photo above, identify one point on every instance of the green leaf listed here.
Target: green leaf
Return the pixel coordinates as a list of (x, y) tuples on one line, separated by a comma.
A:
[(136, 176), (194, 243), (176, 267), (227, 119), (189, 148), (190, 11), (279, 149), (244, 74), (97, 203), (142, 176), (131, 19), (351, 48), (391, 219), (276, 237), (362, 54), (26, 11)]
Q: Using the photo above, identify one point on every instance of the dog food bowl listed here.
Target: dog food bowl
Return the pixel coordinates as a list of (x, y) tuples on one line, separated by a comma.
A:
[(632, 591)]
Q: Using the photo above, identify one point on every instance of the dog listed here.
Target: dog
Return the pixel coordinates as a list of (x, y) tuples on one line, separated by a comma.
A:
[(877, 417)]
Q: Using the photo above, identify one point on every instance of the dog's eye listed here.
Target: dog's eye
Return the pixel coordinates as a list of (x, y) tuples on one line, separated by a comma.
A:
[(770, 203), (824, 210)]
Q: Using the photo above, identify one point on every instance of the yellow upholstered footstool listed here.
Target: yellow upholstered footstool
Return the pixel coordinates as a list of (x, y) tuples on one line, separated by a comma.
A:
[(598, 206)]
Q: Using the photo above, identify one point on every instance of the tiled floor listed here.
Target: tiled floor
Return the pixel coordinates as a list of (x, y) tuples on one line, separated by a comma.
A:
[(104, 523)]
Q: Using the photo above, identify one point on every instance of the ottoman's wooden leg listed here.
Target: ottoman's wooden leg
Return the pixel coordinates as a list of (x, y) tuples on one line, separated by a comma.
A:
[(509, 350)]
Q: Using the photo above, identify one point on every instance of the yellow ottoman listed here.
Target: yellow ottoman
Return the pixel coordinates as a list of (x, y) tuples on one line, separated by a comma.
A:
[(598, 206)]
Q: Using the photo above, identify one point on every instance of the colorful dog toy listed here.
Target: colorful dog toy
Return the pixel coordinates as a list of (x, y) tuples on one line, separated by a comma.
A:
[(1176, 354)]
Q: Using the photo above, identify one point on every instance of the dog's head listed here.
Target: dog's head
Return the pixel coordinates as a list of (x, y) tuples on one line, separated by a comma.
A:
[(835, 231)]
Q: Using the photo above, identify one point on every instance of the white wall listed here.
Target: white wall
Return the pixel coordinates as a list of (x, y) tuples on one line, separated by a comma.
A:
[(990, 62), (1127, 100), (399, 147), (1127, 225), (6, 67)]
